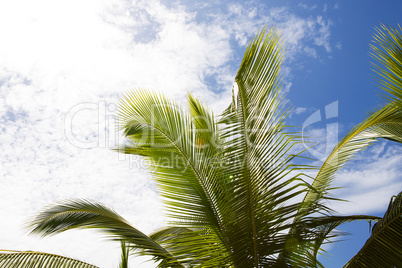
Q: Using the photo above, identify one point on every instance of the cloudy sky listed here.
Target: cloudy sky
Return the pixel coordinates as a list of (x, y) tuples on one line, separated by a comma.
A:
[(64, 64)]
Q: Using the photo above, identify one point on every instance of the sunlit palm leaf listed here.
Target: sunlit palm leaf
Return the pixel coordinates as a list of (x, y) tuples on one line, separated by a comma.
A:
[(161, 131), (231, 188), (181, 147), (84, 214), (125, 253), (23, 259), (257, 159), (384, 123), (387, 50), (384, 247)]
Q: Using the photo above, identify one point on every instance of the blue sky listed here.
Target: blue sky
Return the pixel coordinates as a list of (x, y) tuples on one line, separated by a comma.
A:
[(64, 64)]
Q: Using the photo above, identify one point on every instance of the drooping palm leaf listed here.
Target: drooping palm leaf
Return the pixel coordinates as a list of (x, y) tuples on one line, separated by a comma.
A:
[(384, 123), (24, 259), (387, 50), (85, 214), (384, 247)]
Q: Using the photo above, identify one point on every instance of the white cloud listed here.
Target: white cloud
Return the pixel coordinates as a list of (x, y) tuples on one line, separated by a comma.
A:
[(338, 45), (307, 7), (300, 110), (311, 52), (370, 181), (325, 8)]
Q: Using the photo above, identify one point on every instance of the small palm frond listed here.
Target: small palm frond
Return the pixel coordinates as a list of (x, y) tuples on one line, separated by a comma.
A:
[(387, 50), (384, 247), (23, 259), (84, 214), (384, 123)]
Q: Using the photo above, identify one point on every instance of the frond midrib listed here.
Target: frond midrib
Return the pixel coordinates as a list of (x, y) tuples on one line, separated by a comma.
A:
[(249, 190)]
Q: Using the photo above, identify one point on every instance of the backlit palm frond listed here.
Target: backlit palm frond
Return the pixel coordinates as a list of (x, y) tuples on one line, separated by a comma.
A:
[(384, 123), (84, 214), (125, 253), (384, 247), (387, 50), (256, 157), (23, 259), (180, 146)]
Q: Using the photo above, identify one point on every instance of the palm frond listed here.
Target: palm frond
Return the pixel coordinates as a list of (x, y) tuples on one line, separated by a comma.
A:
[(384, 247), (85, 214), (387, 51), (384, 123), (181, 147), (164, 133), (257, 159), (23, 259)]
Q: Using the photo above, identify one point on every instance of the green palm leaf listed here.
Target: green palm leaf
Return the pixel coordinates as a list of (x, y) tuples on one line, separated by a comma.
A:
[(125, 253), (180, 146), (387, 50), (384, 123), (23, 259), (384, 247), (84, 214), (257, 158), (165, 134), (231, 186)]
